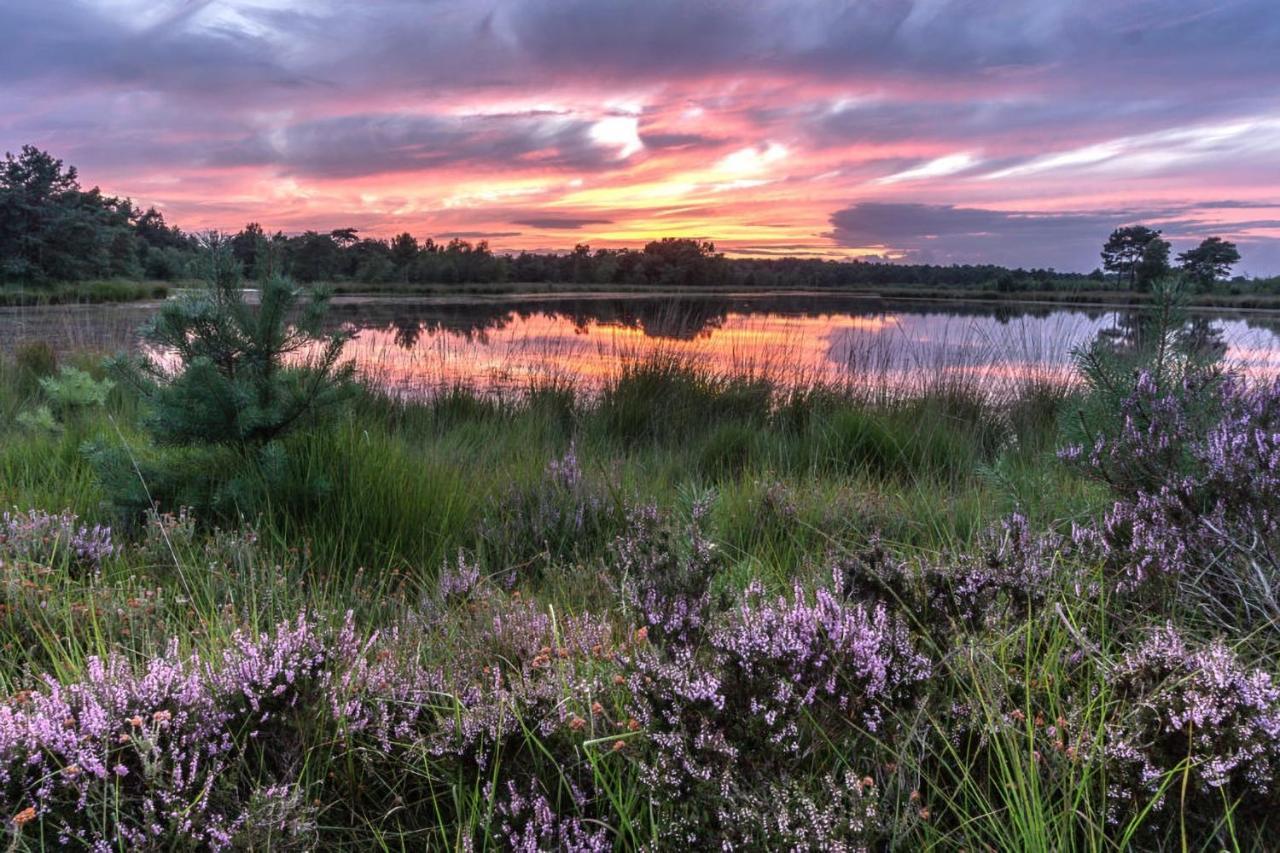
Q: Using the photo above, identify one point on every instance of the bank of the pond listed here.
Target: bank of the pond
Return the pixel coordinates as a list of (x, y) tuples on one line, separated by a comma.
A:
[(85, 292), (1244, 298)]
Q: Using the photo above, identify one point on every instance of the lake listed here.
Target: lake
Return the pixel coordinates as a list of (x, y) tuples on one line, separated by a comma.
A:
[(416, 346)]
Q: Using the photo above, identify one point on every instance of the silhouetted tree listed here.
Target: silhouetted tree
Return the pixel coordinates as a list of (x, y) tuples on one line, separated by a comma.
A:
[(345, 237), (404, 250), (1209, 261), (1154, 264), (248, 247), (314, 257), (683, 262), (1126, 250)]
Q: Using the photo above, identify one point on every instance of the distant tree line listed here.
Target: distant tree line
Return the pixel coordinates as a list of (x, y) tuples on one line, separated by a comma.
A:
[(342, 255), (53, 230)]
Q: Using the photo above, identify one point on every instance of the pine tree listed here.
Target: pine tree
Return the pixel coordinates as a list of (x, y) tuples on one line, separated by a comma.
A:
[(245, 374), (224, 384)]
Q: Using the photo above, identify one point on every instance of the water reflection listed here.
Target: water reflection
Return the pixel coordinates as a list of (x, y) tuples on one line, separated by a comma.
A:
[(417, 346)]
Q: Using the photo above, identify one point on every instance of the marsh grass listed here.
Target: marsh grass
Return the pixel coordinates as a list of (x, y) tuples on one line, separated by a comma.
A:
[(405, 482), (796, 470), (87, 292)]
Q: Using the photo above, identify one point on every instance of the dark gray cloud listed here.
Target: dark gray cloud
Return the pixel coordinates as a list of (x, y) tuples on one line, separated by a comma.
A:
[(566, 222), (355, 145), (943, 233), (1133, 45), (1112, 49), (72, 46), (665, 141), (476, 235)]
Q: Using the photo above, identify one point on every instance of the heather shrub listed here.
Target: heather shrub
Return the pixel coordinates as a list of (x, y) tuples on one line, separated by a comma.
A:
[(1196, 730), (665, 573), (833, 812), (530, 822), (1195, 503), (496, 692), (998, 582), (1172, 357), (170, 536), (1153, 442), (178, 751), (277, 817), (147, 757), (775, 687), (51, 540), (563, 514)]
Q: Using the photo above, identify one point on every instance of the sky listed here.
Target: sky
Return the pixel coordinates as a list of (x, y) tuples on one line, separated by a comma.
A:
[(1015, 132)]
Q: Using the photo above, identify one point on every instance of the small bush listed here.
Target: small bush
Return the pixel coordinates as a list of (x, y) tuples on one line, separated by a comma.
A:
[(861, 441), (1195, 491), (775, 686), (1196, 726), (665, 573), (727, 450), (54, 540), (246, 377), (561, 515)]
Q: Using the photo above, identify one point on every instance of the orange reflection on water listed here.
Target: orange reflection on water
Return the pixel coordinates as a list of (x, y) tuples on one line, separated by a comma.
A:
[(887, 350), (415, 347)]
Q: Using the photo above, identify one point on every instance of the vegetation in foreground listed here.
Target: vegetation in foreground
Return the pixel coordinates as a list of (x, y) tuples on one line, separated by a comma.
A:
[(249, 605)]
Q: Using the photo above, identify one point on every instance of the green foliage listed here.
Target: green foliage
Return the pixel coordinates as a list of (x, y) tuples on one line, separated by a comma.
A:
[(1181, 354), (69, 396), (53, 230), (85, 292), (1136, 254), (219, 482), (39, 419), (225, 383), (1210, 261), (246, 374), (74, 390)]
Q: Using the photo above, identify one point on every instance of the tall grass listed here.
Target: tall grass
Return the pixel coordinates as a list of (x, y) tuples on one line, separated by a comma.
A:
[(798, 475)]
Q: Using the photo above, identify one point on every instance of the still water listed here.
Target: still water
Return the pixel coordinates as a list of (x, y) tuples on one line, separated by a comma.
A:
[(417, 346)]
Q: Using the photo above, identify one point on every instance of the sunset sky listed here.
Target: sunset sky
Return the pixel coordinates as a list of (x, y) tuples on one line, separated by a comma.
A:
[(1009, 131)]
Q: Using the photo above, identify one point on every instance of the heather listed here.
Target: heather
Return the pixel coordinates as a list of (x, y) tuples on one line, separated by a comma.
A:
[(689, 611)]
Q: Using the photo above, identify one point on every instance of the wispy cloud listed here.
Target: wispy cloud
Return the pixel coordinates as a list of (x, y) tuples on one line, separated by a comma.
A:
[(942, 166)]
